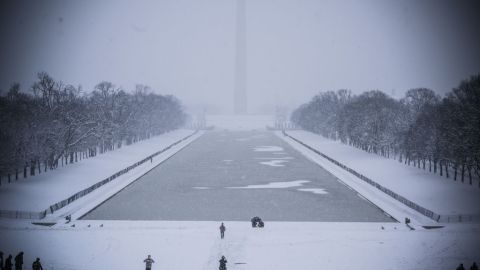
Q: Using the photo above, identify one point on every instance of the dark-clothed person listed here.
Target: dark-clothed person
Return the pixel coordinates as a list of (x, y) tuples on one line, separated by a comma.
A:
[(1, 260), (8, 263), (19, 261), (148, 262), (37, 265), (474, 266), (222, 230), (223, 263), (460, 267)]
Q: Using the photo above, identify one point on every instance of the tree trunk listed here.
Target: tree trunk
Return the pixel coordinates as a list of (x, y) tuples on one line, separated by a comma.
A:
[(32, 167), (463, 172), (470, 175), (446, 170), (16, 174)]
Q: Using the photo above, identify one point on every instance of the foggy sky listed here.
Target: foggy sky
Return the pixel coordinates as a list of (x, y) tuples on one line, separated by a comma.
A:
[(294, 48)]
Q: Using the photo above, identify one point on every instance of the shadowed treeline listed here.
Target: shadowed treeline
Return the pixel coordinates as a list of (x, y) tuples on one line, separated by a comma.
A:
[(434, 133), (57, 124)]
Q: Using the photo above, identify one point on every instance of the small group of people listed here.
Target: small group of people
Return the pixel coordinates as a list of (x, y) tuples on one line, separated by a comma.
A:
[(472, 267), (257, 222), (18, 260)]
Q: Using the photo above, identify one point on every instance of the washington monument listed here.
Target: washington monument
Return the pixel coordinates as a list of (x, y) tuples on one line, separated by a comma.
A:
[(240, 90)]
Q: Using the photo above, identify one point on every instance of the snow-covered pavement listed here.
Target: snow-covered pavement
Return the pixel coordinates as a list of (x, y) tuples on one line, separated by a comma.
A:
[(280, 245), (439, 194)]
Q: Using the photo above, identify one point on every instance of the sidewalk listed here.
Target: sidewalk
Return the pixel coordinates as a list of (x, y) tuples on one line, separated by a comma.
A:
[(38, 192), (439, 194)]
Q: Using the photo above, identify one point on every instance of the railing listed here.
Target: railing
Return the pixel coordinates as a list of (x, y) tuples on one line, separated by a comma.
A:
[(420, 209), (54, 207), (12, 214), (459, 218)]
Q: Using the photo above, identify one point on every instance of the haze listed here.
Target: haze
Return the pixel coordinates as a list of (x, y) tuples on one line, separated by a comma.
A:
[(294, 48)]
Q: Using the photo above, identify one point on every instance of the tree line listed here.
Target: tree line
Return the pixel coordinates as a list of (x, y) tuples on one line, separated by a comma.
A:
[(56, 123), (420, 129)]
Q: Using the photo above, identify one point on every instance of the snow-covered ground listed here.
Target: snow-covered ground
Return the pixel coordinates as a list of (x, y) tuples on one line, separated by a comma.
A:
[(279, 246), (100, 244), (439, 194), (39, 192)]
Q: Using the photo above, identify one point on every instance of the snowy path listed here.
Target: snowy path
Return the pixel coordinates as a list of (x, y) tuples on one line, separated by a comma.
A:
[(232, 247), (429, 190), (39, 192)]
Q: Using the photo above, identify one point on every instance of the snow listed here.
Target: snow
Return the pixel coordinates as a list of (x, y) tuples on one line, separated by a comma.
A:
[(314, 190), (439, 194), (289, 184), (280, 245), (39, 192), (269, 148), (276, 158), (274, 163)]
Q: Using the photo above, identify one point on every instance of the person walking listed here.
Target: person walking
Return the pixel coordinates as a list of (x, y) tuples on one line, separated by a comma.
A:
[(8, 263), (460, 267), (474, 266), (19, 261), (37, 265), (1, 260), (148, 262), (222, 231), (223, 263)]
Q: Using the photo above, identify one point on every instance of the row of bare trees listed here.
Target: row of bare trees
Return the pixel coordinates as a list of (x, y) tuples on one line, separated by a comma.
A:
[(56, 123), (421, 129)]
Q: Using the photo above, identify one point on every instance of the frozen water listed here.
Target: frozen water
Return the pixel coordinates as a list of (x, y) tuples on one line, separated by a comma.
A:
[(167, 192)]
